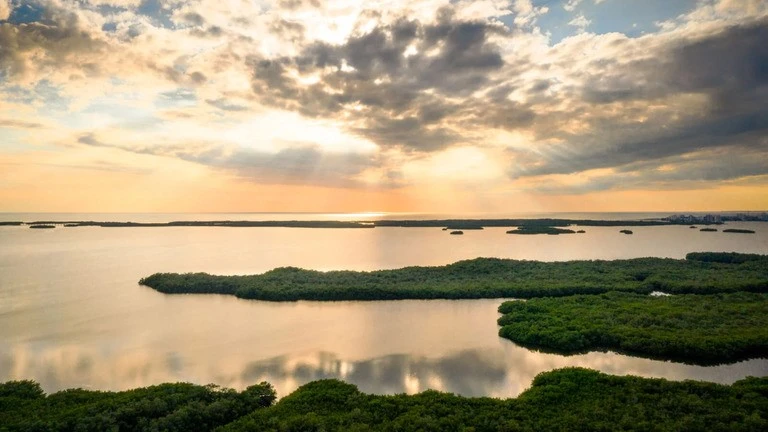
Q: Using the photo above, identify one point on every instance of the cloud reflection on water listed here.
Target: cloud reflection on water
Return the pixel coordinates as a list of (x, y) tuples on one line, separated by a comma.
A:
[(499, 372)]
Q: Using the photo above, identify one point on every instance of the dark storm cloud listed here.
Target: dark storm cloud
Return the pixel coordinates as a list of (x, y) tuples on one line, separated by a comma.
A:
[(392, 84), (728, 70)]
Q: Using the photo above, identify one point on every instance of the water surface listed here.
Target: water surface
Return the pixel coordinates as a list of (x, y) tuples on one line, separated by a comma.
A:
[(72, 314)]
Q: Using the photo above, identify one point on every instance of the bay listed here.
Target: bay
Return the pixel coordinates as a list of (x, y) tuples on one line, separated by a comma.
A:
[(73, 315)]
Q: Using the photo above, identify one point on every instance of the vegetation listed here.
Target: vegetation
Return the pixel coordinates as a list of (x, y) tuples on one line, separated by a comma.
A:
[(725, 257), (457, 232), (708, 329), (740, 231), (42, 226), (273, 224), (11, 223), (708, 229), (547, 222), (626, 231), (485, 278), (564, 399), (456, 224), (580, 232), (166, 407), (534, 229)]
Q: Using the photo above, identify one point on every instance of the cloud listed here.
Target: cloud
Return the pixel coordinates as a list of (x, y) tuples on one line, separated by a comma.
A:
[(580, 22), (225, 105), (58, 41), (299, 163), (19, 124), (571, 5), (5, 9), (413, 81), (395, 83), (672, 102), (701, 170)]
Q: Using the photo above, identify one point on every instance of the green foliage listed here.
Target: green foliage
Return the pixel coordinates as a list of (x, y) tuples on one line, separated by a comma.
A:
[(565, 399), (738, 231), (483, 278), (464, 224), (535, 229), (698, 329), (166, 407), (725, 257), (528, 223)]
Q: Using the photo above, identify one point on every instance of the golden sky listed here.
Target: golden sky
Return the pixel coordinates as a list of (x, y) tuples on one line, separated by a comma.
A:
[(399, 106)]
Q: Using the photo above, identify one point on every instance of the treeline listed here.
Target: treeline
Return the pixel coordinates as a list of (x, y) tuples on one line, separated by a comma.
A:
[(564, 399), (487, 223), (483, 278), (166, 407), (266, 224), (697, 329), (725, 257), (466, 224), (533, 229)]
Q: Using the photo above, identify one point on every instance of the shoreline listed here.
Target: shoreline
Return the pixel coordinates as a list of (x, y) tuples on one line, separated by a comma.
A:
[(468, 224)]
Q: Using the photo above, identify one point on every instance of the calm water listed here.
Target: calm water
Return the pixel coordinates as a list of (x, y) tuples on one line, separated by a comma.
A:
[(72, 314)]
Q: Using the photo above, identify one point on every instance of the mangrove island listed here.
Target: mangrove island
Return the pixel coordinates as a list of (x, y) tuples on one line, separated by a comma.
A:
[(698, 273), (698, 329)]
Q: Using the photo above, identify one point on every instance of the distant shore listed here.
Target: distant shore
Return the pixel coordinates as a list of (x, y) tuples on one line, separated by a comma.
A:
[(530, 225)]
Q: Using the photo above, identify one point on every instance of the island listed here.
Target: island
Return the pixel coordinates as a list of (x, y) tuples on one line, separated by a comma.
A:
[(11, 223), (626, 231), (42, 226), (708, 230), (463, 227), (738, 231), (698, 273), (562, 399), (535, 229), (696, 329), (457, 232)]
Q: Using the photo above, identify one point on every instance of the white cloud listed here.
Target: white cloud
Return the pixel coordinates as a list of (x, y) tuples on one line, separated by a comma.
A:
[(571, 5), (580, 22), (512, 91), (5, 9)]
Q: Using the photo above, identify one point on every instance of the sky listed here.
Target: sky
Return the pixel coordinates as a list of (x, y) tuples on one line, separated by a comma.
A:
[(440, 106)]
